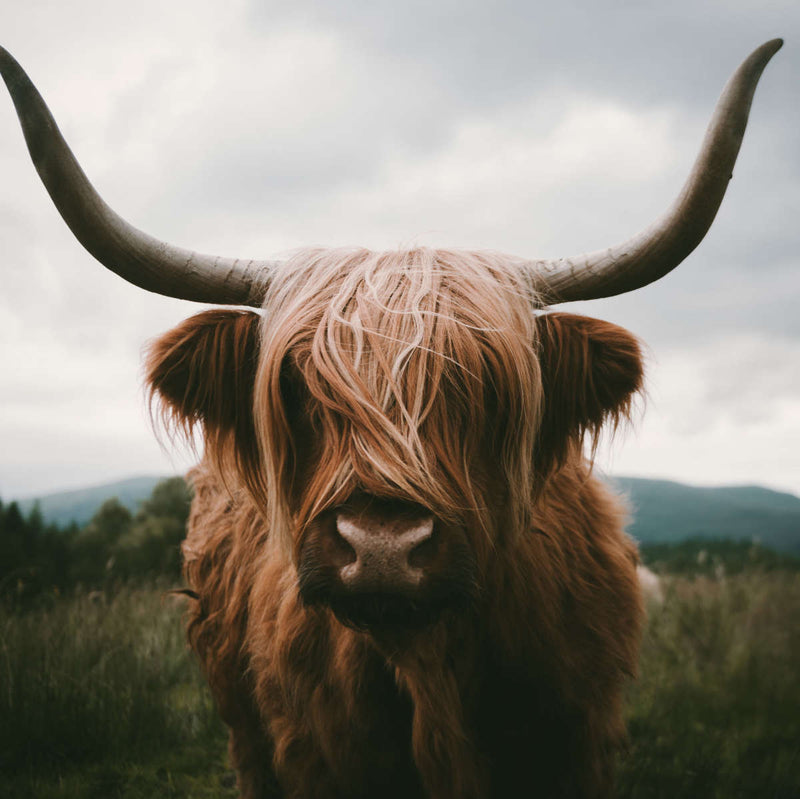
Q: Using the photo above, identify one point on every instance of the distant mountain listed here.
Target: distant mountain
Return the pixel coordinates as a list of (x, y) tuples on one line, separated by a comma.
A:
[(80, 505), (662, 511)]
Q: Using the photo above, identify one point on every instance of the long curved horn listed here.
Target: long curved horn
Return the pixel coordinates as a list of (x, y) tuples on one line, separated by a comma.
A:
[(140, 259), (658, 249)]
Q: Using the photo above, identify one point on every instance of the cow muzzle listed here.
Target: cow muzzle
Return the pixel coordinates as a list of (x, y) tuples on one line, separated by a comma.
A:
[(385, 564), (388, 554)]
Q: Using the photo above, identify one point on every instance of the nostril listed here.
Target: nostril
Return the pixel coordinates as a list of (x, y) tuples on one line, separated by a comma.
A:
[(423, 554), (352, 534), (338, 551)]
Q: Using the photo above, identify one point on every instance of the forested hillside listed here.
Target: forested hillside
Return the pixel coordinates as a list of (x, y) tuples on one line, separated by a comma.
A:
[(661, 511), (667, 512), (78, 506)]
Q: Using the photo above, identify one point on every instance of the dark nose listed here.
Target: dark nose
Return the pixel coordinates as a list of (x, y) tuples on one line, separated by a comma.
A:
[(389, 553)]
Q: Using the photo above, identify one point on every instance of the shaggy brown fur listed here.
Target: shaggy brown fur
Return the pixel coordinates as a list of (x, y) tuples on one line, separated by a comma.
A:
[(422, 376)]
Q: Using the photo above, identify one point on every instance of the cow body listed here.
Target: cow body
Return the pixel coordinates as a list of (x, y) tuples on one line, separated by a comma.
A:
[(509, 673), (524, 689)]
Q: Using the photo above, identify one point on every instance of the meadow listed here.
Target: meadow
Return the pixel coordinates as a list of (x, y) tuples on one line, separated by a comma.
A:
[(99, 696)]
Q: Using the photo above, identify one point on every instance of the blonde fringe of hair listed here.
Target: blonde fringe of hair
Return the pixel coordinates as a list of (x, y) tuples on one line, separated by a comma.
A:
[(418, 366)]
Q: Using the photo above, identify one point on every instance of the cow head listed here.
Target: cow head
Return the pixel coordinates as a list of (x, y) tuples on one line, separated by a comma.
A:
[(394, 416)]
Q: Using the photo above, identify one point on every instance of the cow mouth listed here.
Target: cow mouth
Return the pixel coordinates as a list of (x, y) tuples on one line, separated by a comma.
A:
[(387, 612), (378, 611)]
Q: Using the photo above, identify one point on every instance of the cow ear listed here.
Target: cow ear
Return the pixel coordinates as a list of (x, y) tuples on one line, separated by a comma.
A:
[(203, 371), (591, 371)]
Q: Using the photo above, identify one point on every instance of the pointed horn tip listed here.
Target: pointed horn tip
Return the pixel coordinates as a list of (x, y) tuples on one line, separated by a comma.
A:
[(750, 70), (767, 50), (10, 70), (6, 57), (762, 55)]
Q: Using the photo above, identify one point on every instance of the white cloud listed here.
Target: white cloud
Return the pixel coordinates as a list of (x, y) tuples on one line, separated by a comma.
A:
[(515, 180), (727, 411)]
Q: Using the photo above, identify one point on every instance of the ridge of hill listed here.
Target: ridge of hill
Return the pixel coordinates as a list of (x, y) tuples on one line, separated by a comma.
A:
[(79, 505), (662, 511)]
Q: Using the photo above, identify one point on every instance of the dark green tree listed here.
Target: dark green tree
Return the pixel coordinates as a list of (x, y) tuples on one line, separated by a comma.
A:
[(14, 543), (171, 498), (93, 547), (151, 547)]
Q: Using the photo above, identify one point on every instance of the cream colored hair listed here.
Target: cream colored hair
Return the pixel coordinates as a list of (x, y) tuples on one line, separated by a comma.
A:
[(420, 378)]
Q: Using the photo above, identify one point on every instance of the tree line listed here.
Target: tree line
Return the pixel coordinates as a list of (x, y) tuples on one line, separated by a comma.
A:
[(715, 557), (115, 547)]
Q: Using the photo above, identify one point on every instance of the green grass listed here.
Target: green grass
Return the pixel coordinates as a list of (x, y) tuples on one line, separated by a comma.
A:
[(716, 711), (103, 699)]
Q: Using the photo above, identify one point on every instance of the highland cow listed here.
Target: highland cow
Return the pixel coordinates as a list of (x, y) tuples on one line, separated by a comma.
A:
[(406, 580)]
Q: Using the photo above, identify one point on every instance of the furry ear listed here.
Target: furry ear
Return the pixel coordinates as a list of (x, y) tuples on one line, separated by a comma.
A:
[(203, 371), (591, 371)]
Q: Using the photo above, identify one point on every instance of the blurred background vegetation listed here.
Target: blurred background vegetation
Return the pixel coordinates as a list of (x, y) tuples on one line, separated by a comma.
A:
[(115, 547), (100, 697)]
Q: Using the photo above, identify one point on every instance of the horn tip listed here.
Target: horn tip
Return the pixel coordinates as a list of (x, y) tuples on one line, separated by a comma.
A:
[(10, 70), (769, 48), (5, 56), (757, 61)]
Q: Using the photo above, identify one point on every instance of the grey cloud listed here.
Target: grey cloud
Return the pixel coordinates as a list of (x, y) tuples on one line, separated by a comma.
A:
[(493, 51), (193, 135)]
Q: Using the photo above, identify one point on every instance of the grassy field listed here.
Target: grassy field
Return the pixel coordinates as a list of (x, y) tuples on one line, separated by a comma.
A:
[(102, 699), (716, 710)]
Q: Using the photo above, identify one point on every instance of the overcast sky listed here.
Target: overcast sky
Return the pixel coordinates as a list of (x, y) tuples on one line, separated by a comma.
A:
[(252, 128)]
